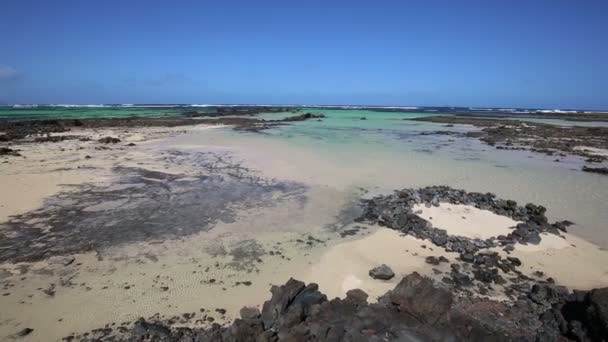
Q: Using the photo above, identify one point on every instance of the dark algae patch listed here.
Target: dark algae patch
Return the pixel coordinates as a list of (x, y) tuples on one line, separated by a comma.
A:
[(142, 205)]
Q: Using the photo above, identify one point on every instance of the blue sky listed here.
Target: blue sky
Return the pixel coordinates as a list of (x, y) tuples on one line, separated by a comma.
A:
[(526, 53)]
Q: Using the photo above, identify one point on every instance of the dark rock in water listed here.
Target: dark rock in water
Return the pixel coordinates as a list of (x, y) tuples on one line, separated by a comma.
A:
[(363, 118), (248, 312), (109, 140), (600, 170), (508, 134), (302, 117), (382, 272), (25, 332), (5, 151)]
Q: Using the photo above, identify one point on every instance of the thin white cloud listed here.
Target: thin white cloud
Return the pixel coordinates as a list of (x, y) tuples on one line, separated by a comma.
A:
[(8, 73)]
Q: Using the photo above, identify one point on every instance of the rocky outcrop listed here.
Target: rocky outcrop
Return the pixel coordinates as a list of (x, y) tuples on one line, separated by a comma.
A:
[(508, 134), (242, 119), (477, 269), (396, 211), (301, 117), (416, 309)]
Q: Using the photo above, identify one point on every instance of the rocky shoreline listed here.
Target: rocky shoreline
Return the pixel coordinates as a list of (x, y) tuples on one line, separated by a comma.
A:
[(552, 140), (480, 268), (416, 309), (32, 130)]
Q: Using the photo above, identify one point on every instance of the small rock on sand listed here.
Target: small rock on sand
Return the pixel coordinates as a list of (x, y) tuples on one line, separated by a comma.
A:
[(382, 272), (25, 332)]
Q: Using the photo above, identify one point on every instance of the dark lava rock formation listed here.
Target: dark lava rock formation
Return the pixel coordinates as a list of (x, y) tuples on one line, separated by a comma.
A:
[(548, 139), (600, 170), (478, 269), (5, 151), (33, 130), (382, 272), (417, 309), (396, 211)]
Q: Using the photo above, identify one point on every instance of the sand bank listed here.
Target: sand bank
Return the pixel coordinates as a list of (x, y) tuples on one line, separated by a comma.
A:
[(346, 266), (571, 261), (466, 220)]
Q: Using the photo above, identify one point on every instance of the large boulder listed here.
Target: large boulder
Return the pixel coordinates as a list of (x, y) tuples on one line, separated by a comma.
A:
[(597, 312), (548, 294), (290, 303), (418, 296)]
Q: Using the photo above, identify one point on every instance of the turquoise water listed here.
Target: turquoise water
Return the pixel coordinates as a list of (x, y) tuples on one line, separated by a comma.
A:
[(387, 151), (345, 128), (84, 112)]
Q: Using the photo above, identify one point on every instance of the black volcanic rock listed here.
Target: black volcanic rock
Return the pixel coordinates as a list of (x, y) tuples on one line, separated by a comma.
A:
[(600, 170), (5, 151), (419, 297), (416, 309), (382, 272), (109, 140)]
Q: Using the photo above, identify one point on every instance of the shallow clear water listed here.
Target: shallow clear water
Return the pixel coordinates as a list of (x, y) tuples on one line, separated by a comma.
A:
[(385, 151)]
